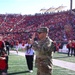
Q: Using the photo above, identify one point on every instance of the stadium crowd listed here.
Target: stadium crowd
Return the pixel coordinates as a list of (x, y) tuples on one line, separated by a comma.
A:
[(19, 27)]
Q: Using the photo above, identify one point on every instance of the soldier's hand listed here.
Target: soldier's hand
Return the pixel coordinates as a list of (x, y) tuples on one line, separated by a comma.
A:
[(33, 36)]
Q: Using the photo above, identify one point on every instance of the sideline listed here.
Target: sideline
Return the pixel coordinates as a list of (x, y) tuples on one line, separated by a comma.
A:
[(64, 64), (60, 63)]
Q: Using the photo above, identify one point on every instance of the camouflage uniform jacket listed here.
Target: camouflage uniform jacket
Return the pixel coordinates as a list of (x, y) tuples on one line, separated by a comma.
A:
[(44, 47), (44, 50)]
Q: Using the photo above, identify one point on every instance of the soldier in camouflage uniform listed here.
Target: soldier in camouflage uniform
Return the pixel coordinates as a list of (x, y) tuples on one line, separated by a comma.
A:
[(43, 48)]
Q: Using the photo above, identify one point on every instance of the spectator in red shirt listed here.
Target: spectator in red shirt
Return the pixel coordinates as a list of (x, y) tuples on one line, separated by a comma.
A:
[(17, 46), (69, 45), (3, 58), (73, 47)]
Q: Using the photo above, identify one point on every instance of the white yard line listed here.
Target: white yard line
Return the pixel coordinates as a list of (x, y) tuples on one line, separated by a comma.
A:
[(64, 64)]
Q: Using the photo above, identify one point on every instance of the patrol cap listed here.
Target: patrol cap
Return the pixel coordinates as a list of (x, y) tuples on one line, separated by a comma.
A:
[(43, 29)]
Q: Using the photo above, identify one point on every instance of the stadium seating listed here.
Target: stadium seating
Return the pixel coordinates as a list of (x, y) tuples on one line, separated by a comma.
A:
[(19, 27)]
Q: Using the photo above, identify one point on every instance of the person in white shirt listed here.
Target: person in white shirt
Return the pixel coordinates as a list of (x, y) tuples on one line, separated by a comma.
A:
[(29, 54)]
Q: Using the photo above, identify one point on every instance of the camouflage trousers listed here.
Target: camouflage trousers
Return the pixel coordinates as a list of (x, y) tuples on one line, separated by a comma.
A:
[(43, 66), (43, 73)]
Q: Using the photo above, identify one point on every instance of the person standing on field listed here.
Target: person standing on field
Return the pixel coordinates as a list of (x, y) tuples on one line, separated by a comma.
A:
[(29, 55), (3, 58), (44, 48)]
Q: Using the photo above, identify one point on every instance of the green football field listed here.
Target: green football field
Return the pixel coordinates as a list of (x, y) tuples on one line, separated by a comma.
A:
[(18, 66)]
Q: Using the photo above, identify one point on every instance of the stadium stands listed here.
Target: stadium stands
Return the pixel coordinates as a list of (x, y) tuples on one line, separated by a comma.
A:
[(19, 27)]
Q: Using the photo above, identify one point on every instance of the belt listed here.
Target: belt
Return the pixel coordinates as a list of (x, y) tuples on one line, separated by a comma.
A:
[(42, 56)]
